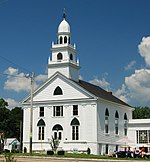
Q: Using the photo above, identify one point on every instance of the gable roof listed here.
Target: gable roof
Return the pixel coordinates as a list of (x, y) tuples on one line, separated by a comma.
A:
[(10, 141), (88, 87), (101, 93)]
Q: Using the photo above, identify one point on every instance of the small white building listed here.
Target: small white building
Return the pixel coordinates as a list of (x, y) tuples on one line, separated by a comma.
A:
[(139, 133), (11, 143), (80, 114)]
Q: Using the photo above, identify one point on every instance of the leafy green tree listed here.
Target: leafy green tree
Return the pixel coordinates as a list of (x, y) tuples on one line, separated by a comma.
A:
[(4, 117), (141, 113), (10, 120)]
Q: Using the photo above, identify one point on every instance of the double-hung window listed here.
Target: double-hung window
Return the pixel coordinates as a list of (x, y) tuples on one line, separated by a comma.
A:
[(58, 111), (75, 109), (41, 112)]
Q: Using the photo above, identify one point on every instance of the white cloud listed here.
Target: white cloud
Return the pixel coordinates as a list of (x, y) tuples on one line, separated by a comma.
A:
[(130, 65), (138, 85), (12, 103), (16, 81), (19, 82), (100, 82), (41, 78), (122, 93), (144, 49)]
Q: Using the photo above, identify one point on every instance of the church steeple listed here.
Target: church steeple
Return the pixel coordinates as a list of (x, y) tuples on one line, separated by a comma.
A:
[(63, 53)]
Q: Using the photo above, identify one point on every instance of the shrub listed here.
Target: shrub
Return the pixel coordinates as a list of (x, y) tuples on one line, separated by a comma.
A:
[(61, 152), (9, 158), (15, 151), (88, 150), (25, 150), (50, 152), (6, 151)]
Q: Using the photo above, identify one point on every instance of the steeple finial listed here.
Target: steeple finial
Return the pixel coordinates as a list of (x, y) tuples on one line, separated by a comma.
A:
[(64, 13)]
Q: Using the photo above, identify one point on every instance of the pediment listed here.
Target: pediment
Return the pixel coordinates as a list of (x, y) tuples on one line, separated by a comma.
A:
[(59, 88)]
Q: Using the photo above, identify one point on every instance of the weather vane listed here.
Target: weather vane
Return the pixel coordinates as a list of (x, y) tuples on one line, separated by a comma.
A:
[(64, 14)]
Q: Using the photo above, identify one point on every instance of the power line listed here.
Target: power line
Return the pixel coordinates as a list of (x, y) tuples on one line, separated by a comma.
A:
[(15, 64), (15, 75)]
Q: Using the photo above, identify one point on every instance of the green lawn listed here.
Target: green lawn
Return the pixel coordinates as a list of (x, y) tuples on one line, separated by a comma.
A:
[(74, 155)]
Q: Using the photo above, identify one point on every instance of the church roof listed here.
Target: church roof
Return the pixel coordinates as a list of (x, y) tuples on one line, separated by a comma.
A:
[(101, 93)]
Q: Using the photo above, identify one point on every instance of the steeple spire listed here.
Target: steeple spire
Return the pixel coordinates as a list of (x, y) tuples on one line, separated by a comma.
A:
[(64, 14)]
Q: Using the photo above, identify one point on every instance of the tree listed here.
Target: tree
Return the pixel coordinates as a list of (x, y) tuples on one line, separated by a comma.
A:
[(15, 122), (141, 113), (54, 143), (4, 117), (10, 120)]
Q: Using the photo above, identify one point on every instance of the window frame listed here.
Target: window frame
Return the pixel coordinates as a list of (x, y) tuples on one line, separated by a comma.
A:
[(57, 111), (116, 123), (41, 112), (41, 132), (75, 128), (75, 110), (106, 122)]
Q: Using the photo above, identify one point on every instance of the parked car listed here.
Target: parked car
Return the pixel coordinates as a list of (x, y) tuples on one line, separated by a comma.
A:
[(124, 154)]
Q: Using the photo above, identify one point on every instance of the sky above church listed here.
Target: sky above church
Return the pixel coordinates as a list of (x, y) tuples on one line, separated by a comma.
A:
[(112, 39)]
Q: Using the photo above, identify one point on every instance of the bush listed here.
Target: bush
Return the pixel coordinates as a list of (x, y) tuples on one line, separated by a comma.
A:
[(25, 150), (61, 152), (9, 158), (15, 151), (88, 150), (6, 151), (50, 152)]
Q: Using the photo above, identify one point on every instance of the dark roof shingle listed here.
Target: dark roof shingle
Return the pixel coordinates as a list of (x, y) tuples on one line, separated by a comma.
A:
[(101, 93)]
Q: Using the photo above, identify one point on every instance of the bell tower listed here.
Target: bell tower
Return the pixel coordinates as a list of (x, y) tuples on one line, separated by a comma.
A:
[(64, 54)]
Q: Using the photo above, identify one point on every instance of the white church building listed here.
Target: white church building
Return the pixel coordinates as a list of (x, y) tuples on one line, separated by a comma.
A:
[(81, 115)]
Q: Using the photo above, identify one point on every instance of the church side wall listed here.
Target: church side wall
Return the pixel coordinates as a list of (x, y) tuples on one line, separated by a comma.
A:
[(110, 138)]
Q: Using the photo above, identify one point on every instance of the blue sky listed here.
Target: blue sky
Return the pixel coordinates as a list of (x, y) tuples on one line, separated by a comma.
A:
[(112, 39)]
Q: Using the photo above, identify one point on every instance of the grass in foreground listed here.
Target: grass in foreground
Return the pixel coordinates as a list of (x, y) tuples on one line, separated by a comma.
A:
[(75, 155)]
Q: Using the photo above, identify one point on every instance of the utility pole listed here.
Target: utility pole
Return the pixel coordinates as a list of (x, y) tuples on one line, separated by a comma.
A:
[(31, 111)]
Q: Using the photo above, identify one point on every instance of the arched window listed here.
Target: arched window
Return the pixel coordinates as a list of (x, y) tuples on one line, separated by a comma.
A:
[(125, 117), (41, 125), (71, 56), (106, 112), (116, 114), (61, 40), (58, 91), (57, 130), (125, 124), (106, 121), (57, 127), (116, 123), (59, 56), (75, 129), (65, 39)]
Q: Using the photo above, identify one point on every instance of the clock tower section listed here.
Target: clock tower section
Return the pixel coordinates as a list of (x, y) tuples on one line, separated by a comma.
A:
[(64, 54)]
